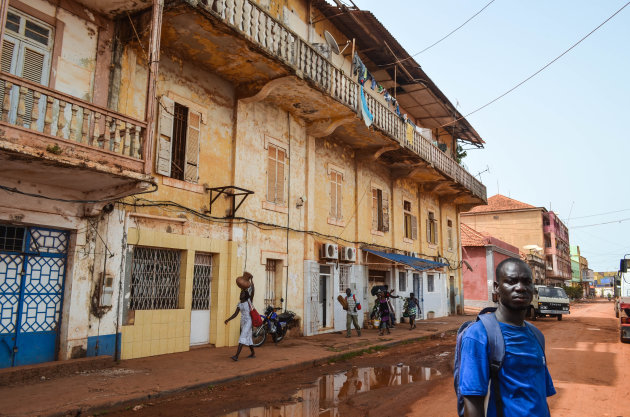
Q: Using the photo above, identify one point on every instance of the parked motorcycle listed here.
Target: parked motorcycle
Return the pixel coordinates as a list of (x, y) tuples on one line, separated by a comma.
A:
[(274, 324)]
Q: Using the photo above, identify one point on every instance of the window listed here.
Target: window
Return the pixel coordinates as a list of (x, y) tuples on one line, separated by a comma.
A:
[(449, 234), (344, 277), (430, 283), (270, 269), (155, 279), (26, 53), (410, 221), (380, 210), (336, 179), (12, 238), (202, 279), (431, 228), (178, 141), (276, 161), (402, 281)]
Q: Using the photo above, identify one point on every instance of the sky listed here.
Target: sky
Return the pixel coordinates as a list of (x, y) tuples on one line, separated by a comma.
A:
[(559, 141)]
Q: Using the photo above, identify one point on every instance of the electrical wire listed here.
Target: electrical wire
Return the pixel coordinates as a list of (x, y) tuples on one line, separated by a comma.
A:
[(600, 214), (541, 69), (441, 39), (602, 223)]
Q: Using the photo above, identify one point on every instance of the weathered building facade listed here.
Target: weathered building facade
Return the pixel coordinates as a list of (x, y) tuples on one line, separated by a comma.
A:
[(165, 149), (525, 226)]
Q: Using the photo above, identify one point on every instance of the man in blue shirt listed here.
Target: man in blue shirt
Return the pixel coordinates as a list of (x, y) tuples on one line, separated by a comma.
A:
[(524, 379)]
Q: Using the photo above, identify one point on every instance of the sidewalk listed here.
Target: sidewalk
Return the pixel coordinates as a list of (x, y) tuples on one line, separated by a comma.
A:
[(137, 380)]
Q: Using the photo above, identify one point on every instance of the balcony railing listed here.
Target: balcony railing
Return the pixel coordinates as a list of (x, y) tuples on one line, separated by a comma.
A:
[(57, 115), (262, 29)]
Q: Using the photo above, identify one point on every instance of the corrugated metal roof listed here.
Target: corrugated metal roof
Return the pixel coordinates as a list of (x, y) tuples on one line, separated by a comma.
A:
[(413, 88)]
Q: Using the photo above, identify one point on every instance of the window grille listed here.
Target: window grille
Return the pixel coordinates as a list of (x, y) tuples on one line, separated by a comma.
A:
[(12, 238), (430, 283), (155, 279), (402, 281), (344, 277), (202, 280), (270, 293)]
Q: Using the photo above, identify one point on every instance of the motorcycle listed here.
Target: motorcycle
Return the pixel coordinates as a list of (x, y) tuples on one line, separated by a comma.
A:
[(274, 324)]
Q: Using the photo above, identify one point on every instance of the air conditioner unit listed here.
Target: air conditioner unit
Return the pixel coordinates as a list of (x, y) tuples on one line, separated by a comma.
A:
[(348, 254), (329, 251)]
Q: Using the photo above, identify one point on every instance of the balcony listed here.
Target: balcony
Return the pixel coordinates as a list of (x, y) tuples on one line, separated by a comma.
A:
[(267, 61), (85, 151)]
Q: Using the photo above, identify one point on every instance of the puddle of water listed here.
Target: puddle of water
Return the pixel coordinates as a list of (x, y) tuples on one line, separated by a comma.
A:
[(322, 398)]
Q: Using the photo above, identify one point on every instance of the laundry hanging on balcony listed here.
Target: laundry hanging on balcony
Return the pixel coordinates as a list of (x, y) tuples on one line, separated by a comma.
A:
[(364, 110), (363, 75)]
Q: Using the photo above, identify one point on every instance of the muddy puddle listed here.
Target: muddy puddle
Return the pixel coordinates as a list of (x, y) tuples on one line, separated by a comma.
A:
[(322, 398)]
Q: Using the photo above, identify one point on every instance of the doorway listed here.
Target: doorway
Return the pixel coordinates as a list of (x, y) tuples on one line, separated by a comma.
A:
[(200, 312), (417, 291), (451, 294), (324, 306)]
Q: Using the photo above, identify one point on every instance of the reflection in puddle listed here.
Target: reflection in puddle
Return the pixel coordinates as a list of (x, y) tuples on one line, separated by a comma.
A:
[(322, 398)]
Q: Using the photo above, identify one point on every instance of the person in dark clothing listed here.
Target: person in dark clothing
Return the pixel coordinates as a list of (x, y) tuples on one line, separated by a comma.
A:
[(413, 306), (383, 307)]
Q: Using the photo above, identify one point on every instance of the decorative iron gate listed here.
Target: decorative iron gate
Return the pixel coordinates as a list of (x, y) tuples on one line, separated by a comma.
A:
[(32, 274)]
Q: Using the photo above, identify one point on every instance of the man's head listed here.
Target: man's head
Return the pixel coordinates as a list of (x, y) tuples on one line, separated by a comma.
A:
[(514, 284), (348, 292), (411, 295)]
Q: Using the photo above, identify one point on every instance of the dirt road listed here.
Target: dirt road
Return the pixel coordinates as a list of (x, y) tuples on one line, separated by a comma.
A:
[(586, 360)]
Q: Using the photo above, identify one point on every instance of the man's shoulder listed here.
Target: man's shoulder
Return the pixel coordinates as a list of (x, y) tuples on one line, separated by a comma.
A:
[(477, 332)]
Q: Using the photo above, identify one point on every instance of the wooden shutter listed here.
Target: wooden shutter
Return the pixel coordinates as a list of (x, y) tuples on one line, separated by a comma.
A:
[(385, 212), (375, 212), (191, 171), (428, 230), (32, 70), (414, 227), (280, 177), (333, 194), (7, 59), (165, 137), (339, 196), (271, 174)]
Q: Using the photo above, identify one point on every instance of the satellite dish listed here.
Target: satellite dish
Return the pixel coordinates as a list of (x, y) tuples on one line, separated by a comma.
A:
[(532, 247), (334, 47)]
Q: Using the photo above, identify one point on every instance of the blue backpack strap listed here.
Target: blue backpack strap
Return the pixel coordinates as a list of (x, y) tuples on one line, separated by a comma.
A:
[(496, 345)]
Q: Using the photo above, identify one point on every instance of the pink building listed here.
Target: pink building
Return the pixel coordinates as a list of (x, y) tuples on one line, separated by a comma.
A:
[(481, 253)]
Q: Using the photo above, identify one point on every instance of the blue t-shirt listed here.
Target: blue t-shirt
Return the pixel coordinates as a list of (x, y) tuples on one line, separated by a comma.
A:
[(524, 379)]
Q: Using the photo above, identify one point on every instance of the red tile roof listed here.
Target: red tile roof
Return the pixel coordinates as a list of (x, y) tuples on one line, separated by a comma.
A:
[(471, 237), (500, 202)]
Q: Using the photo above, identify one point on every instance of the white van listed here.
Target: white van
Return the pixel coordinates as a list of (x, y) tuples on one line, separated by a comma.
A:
[(551, 301)]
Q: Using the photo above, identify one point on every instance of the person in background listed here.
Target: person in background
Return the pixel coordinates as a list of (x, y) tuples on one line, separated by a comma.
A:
[(413, 306), (352, 314), (392, 311), (245, 339), (384, 310)]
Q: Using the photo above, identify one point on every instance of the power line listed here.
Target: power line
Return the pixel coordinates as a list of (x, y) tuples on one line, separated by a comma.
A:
[(441, 39), (541, 69), (600, 214), (602, 223)]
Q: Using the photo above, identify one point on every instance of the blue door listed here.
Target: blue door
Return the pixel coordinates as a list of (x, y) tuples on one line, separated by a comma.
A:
[(32, 272)]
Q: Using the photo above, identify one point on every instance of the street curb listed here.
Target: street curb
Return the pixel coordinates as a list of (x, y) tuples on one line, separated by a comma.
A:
[(338, 356)]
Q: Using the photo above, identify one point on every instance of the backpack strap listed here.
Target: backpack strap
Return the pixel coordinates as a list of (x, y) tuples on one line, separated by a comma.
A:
[(496, 345)]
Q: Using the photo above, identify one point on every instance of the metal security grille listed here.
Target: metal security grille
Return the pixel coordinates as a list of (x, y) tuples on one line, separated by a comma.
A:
[(11, 238), (155, 279), (32, 272), (202, 280), (344, 277), (270, 295)]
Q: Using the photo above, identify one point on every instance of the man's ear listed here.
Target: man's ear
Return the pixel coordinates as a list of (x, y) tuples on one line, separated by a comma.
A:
[(495, 292)]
